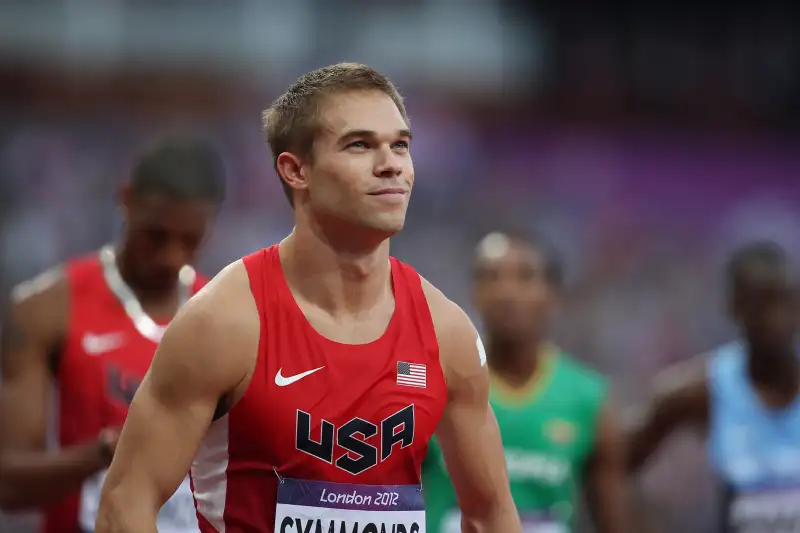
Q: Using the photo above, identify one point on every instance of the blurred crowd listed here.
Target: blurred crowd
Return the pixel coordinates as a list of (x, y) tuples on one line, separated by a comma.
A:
[(642, 218)]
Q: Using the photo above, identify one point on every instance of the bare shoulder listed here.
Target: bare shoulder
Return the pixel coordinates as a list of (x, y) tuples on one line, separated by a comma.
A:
[(683, 388), (460, 348), (688, 375), (37, 314), (224, 302), (43, 297), (216, 333), (48, 285)]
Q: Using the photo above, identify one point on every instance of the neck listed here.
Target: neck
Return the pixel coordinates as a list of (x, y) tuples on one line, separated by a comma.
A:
[(514, 361), (143, 294), (339, 278), (781, 374)]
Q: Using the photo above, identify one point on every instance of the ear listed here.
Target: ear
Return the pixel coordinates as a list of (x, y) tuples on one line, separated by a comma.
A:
[(125, 198), (291, 170)]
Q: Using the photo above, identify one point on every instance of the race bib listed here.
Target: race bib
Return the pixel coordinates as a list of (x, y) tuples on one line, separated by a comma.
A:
[(531, 523), (176, 516), (769, 511), (322, 506)]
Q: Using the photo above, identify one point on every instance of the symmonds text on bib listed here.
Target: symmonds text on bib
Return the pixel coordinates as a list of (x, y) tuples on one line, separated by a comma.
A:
[(313, 506)]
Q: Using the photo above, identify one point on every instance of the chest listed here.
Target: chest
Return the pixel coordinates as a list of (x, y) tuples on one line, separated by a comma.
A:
[(544, 442), (318, 409), (758, 464), (753, 448), (102, 364)]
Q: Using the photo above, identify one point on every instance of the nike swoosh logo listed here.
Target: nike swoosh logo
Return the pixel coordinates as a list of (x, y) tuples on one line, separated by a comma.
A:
[(282, 381), (99, 344)]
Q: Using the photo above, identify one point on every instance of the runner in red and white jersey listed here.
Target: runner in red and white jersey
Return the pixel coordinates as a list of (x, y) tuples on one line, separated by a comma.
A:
[(92, 326), (333, 363)]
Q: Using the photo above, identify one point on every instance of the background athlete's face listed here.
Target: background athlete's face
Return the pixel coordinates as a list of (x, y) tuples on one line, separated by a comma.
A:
[(768, 311), (362, 171), (512, 292), (163, 235)]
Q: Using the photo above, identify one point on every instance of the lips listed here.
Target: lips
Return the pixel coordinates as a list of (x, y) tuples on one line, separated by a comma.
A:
[(387, 191)]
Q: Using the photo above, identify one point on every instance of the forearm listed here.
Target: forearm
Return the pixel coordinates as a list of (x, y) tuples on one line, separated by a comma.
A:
[(37, 478), (501, 518)]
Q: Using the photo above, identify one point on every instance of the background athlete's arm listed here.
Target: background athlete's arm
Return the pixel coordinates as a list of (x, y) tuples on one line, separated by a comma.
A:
[(606, 476), (33, 330), (206, 352), (681, 399), (468, 434)]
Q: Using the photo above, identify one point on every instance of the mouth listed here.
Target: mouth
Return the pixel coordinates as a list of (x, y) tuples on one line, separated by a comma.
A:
[(389, 191)]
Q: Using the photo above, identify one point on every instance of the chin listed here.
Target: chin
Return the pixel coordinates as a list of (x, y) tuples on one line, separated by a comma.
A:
[(388, 226)]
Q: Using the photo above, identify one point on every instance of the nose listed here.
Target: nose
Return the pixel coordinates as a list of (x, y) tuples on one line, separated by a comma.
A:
[(387, 164)]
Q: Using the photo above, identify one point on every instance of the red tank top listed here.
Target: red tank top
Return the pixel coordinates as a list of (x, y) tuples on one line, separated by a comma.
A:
[(103, 360), (318, 413)]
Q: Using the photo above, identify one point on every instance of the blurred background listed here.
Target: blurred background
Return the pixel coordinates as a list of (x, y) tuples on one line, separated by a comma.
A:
[(644, 143)]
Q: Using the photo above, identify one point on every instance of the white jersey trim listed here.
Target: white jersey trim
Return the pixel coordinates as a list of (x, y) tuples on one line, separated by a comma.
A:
[(209, 474)]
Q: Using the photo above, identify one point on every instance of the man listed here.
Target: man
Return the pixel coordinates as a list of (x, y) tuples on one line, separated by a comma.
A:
[(744, 397), (558, 427), (308, 377), (93, 326)]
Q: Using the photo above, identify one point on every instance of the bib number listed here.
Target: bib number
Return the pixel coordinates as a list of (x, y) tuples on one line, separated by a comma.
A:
[(531, 523), (322, 506), (770, 511), (176, 516)]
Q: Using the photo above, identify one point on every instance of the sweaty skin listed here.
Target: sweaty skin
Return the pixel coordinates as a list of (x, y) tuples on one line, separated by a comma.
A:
[(35, 326), (176, 402)]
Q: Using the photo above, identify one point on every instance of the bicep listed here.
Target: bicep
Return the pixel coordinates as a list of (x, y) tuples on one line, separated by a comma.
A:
[(159, 440), (24, 349), (470, 442), (201, 359), (610, 443), (606, 473), (671, 408), (468, 432), (168, 417)]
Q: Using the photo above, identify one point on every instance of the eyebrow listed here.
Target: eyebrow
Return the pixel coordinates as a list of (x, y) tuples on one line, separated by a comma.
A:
[(369, 133)]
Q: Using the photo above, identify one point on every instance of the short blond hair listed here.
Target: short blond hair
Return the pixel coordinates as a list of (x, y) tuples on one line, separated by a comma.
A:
[(291, 123)]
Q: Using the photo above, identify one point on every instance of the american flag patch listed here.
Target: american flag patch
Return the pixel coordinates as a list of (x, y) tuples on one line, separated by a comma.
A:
[(411, 374)]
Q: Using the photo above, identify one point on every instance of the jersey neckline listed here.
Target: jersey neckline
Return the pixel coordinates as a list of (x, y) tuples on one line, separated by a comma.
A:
[(286, 293), (536, 385)]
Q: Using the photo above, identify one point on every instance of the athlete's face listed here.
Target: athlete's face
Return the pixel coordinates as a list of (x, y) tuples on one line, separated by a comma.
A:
[(163, 235), (362, 170), (512, 291), (767, 309)]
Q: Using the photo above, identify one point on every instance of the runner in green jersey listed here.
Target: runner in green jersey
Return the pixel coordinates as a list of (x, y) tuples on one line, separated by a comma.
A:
[(558, 430)]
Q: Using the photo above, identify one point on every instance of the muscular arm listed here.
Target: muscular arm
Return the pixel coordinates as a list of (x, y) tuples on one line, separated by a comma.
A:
[(681, 399), (606, 473), (207, 354), (33, 329), (468, 432)]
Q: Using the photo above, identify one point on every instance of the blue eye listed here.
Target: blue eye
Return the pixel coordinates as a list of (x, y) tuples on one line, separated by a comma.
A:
[(357, 144), (401, 144)]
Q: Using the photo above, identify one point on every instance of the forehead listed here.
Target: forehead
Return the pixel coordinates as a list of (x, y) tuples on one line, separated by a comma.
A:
[(498, 251), (769, 277), (360, 110), (155, 209)]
